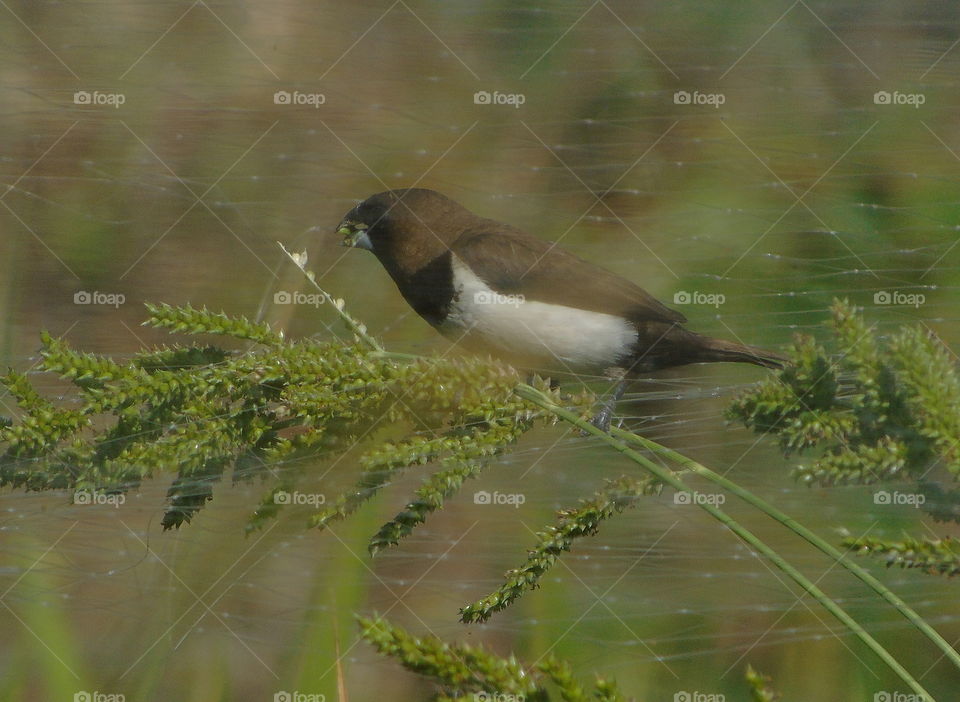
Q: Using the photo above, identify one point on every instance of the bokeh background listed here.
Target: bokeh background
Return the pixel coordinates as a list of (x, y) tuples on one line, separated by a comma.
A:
[(816, 157)]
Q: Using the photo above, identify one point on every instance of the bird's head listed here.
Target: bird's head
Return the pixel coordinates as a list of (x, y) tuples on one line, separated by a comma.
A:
[(398, 222), (365, 220)]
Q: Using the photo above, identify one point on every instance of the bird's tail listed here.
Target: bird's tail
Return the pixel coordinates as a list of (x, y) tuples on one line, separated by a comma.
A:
[(721, 350)]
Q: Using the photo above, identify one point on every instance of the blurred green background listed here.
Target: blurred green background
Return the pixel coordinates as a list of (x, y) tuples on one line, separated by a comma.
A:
[(817, 156)]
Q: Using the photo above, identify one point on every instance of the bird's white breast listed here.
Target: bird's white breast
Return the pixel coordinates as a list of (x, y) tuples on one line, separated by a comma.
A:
[(530, 333)]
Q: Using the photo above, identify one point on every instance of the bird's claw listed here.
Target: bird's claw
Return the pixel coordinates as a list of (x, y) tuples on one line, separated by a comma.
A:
[(602, 419)]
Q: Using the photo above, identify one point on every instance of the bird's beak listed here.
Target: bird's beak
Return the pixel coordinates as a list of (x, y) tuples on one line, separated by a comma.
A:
[(354, 235)]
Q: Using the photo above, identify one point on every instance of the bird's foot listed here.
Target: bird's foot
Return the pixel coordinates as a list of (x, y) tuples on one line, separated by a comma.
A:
[(609, 403), (601, 420)]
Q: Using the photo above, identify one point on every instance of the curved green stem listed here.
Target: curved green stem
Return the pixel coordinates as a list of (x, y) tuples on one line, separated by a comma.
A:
[(300, 261), (801, 531), (669, 477)]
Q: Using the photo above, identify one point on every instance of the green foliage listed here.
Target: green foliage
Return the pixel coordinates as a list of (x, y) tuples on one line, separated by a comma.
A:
[(480, 429), (428, 498), (191, 321), (927, 372), (472, 672), (935, 556), (571, 525), (461, 669), (18, 385), (200, 410), (943, 505), (878, 412), (179, 357), (280, 406), (760, 690)]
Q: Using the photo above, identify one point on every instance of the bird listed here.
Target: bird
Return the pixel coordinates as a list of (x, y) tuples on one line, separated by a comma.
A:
[(496, 289)]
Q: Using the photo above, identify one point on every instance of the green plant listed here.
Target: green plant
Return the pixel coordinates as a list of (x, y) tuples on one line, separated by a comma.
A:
[(879, 412), (201, 410), (472, 672), (882, 412), (572, 524), (935, 556), (760, 689)]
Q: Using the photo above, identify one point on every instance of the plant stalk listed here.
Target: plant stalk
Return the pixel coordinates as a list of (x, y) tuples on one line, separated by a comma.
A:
[(667, 476), (801, 531)]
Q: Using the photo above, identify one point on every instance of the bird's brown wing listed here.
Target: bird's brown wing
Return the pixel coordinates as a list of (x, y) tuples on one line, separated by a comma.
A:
[(511, 261)]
